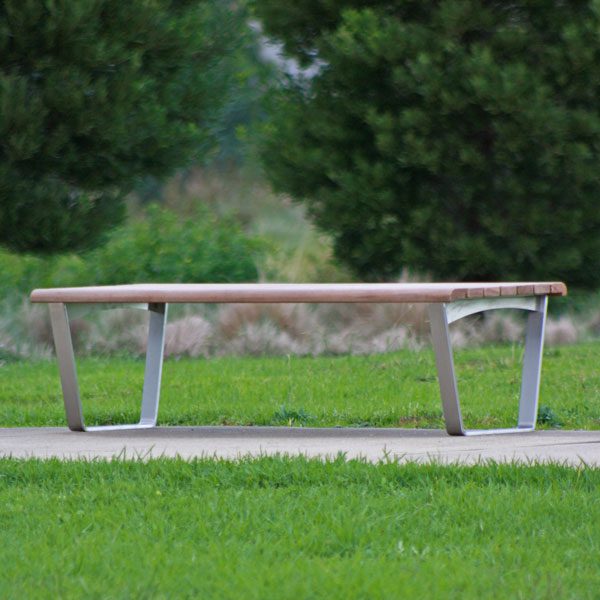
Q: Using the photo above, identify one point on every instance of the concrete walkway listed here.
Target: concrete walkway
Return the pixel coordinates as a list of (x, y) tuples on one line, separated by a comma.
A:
[(570, 447)]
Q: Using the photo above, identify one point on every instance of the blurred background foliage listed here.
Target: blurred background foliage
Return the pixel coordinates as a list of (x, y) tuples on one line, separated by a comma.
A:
[(455, 139), (214, 218), (157, 246), (197, 141), (459, 138), (96, 94)]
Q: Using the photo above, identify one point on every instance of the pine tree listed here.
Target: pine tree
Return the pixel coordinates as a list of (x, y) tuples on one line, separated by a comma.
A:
[(95, 94), (459, 138)]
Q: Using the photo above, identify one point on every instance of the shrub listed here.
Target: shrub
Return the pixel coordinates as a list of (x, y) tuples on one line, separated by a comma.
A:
[(459, 137), (163, 247), (160, 247), (18, 272)]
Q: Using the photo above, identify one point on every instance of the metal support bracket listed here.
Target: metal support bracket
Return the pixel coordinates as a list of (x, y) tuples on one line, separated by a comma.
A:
[(441, 315), (59, 316)]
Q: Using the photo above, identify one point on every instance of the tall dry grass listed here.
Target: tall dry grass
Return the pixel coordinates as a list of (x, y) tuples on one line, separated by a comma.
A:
[(275, 329)]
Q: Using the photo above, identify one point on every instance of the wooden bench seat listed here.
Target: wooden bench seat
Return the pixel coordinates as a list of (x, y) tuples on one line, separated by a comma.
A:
[(295, 292), (447, 302)]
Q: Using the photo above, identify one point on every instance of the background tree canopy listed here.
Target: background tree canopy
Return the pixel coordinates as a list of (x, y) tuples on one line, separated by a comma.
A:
[(460, 138), (94, 94)]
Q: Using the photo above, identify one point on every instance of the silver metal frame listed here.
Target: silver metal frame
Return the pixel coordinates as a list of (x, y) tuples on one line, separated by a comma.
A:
[(441, 315), (59, 316)]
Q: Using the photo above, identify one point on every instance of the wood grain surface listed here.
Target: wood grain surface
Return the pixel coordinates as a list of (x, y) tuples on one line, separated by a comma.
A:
[(294, 292)]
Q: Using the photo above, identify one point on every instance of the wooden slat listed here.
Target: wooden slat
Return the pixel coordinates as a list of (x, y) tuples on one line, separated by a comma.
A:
[(527, 289), (492, 292), (510, 290), (292, 292)]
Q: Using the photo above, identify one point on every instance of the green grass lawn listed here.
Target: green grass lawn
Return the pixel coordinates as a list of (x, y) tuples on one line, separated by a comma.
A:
[(297, 528), (294, 528), (387, 390)]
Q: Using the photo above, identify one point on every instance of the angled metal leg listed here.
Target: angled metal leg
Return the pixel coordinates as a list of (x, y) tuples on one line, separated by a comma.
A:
[(68, 373), (532, 366), (441, 315), (66, 365), (154, 361), (445, 368)]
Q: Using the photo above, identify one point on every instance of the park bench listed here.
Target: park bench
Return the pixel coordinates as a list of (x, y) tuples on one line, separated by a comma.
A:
[(447, 302)]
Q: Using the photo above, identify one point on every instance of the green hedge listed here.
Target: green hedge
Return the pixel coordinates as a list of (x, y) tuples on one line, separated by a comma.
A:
[(159, 247)]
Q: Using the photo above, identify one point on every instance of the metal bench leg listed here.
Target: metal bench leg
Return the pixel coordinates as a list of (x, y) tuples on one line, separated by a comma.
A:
[(441, 315), (68, 373)]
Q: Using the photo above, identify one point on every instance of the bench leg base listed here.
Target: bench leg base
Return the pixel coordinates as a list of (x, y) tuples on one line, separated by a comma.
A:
[(501, 430), (532, 362), (59, 318)]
